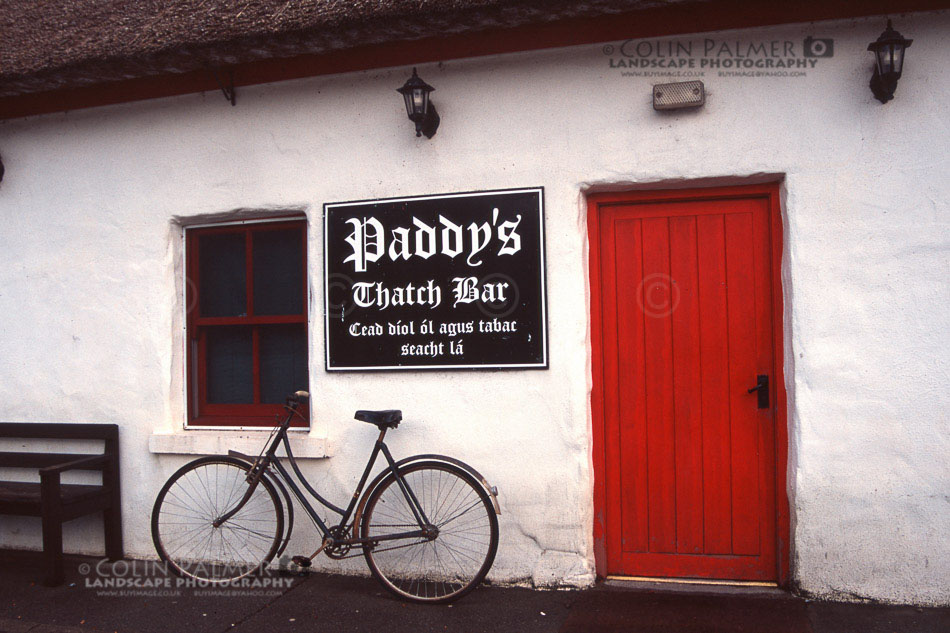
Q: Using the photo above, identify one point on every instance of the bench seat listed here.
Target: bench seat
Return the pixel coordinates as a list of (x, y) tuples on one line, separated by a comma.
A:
[(25, 499)]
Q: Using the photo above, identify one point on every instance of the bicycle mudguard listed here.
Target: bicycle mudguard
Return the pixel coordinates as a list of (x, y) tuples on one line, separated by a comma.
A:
[(491, 490), (283, 491)]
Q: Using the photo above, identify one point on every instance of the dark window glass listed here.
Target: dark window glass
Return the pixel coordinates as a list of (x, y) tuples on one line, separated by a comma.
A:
[(230, 365), (253, 343), (278, 272), (221, 273), (283, 354)]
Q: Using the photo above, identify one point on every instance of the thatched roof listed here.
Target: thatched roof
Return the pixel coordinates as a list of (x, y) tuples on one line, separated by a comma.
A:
[(64, 54), (55, 44)]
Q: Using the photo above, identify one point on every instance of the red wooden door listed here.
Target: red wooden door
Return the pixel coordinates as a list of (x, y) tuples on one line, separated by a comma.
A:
[(686, 315)]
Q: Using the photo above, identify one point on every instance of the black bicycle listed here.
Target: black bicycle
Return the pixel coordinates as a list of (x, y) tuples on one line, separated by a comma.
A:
[(426, 525)]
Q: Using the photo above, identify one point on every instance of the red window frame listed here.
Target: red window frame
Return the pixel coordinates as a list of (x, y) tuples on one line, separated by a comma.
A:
[(200, 411)]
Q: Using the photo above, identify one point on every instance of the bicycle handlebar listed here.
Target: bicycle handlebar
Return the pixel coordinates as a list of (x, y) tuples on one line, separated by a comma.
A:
[(294, 400)]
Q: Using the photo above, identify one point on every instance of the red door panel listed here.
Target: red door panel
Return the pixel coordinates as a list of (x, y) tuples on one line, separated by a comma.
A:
[(685, 313)]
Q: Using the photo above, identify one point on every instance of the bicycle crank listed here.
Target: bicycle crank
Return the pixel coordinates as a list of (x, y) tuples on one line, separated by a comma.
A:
[(337, 550), (307, 561)]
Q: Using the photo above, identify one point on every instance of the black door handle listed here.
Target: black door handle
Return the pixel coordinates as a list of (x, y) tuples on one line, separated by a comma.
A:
[(762, 386)]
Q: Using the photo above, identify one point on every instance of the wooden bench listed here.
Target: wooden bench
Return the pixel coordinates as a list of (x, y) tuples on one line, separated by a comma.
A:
[(56, 502)]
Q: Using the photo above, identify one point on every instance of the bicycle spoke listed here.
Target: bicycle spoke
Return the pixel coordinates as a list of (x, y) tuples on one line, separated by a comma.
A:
[(452, 560), (197, 495)]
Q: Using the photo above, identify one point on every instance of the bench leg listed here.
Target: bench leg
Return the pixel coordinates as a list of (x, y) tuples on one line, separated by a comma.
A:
[(112, 520), (53, 551), (112, 517), (52, 528)]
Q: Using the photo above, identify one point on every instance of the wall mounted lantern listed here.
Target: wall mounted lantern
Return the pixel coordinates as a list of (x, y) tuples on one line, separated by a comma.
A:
[(888, 62), (421, 111)]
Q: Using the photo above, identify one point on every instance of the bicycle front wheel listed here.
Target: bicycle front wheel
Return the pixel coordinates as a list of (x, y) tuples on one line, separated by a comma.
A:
[(191, 501), (457, 554)]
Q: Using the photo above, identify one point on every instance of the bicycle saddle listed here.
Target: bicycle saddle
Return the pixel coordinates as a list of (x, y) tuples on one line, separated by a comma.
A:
[(389, 419)]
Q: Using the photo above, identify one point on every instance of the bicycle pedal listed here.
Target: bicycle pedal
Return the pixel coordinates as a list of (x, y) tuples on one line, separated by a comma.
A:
[(301, 561)]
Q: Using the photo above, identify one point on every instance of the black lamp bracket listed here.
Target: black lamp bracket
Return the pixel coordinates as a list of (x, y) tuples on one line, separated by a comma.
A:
[(226, 85), (430, 124), (883, 88)]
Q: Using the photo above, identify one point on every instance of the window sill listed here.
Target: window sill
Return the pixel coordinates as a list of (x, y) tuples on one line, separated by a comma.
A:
[(217, 442)]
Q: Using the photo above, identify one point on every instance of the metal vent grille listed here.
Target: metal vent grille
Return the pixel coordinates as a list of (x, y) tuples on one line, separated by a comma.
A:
[(684, 94)]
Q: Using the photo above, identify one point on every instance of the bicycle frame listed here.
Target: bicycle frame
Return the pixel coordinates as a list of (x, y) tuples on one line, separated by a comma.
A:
[(262, 464)]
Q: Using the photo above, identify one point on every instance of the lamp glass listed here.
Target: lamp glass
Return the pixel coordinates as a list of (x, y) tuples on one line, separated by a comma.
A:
[(890, 58), (897, 55), (420, 97), (885, 60), (889, 51)]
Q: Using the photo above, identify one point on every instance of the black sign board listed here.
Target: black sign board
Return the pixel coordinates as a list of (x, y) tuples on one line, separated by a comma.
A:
[(453, 281)]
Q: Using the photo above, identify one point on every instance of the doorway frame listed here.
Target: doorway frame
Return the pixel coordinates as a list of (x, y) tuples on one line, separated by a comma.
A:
[(595, 201)]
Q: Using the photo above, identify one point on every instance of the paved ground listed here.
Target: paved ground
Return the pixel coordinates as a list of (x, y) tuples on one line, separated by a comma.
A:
[(654, 609), (320, 602)]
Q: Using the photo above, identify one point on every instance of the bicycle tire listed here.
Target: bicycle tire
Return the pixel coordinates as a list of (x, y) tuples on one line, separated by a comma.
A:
[(288, 507), (200, 492), (448, 566)]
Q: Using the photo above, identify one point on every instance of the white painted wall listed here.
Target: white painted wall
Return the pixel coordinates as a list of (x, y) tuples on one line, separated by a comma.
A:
[(90, 314)]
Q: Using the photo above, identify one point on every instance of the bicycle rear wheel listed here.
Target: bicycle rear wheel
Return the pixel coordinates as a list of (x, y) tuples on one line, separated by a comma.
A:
[(193, 498), (448, 564)]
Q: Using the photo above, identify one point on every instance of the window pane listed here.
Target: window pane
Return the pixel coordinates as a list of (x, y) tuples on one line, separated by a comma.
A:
[(283, 350), (221, 270), (229, 365), (278, 272)]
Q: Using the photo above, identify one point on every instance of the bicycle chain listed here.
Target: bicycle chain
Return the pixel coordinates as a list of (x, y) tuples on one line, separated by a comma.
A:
[(387, 549)]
